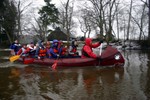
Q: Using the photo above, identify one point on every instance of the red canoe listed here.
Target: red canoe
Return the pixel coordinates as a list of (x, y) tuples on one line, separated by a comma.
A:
[(110, 56)]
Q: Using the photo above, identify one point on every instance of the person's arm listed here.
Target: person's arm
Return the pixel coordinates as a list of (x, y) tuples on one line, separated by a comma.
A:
[(19, 52), (95, 45), (37, 52), (27, 50), (54, 55)]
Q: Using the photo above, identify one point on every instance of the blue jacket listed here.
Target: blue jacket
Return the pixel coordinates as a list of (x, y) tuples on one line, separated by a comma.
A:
[(54, 47), (15, 47)]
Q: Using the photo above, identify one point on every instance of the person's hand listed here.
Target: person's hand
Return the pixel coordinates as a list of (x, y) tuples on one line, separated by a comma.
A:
[(39, 57), (101, 41), (58, 55)]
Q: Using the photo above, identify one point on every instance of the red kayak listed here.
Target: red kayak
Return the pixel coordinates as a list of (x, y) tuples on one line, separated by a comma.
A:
[(110, 56)]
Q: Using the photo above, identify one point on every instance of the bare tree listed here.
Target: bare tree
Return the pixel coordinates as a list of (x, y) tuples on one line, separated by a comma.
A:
[(39, 28), (140, 25), (117, 18), (22, 6), (102, 13), (148, 5), (110, 18), (66, 19), (86, 23), (83, 25), (129, 20)]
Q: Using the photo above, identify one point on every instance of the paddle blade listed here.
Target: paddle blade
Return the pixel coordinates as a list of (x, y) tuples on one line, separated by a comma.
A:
[(13, 58), (28, 61), (54, 66)]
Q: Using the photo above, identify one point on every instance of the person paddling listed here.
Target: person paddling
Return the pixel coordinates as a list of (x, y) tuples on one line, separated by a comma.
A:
[(62, 50), (15, 46), (40, 50), (87, 51), (31, 50), (22, 50), (73, 48), (54, 52)]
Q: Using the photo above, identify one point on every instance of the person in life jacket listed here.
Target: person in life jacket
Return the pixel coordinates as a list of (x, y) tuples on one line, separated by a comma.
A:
[(87, 51), (73, 48), (30, 50), (48, 46), (40, 50), (22, 50), (62, 50), (54, 52), (15, 46)]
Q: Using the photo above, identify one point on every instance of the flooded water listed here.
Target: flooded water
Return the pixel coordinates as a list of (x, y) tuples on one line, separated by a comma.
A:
[(34, 82)]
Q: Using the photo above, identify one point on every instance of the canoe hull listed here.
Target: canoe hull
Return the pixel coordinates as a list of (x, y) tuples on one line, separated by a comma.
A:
[(81, 62), (111, 56)]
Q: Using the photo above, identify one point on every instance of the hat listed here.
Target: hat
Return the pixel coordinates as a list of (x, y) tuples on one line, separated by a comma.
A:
[(31, 43), (24, 44), (55, 41)]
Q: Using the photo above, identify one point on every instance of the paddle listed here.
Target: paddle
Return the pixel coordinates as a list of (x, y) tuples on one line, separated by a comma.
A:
[(55, 63), (100, 51), (13, 58)]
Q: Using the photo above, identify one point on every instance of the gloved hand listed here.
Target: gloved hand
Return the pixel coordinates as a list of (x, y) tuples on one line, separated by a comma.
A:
[(58, 55), (101, 41)]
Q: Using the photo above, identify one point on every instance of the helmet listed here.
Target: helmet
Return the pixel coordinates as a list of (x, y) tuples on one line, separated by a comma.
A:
[(55, 41)]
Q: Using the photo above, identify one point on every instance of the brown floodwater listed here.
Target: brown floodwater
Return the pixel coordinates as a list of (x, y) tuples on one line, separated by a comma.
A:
[(35, 82)]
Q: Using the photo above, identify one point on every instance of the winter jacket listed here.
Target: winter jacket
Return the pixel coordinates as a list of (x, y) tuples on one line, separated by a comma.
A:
[(87, 49)]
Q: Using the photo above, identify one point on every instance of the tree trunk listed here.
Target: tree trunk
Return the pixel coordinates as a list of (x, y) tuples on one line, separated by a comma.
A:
[(19, 20), (67, 23), (141, 24), (149, 26), (9, 38), (117, 19), (128, 29)]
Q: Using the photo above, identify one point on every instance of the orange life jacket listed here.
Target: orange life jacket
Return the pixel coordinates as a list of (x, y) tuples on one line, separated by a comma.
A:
[(55, 50), (42, 52)]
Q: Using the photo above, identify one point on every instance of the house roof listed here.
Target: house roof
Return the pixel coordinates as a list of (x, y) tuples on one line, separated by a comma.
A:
[(60, 34), (65, 31)]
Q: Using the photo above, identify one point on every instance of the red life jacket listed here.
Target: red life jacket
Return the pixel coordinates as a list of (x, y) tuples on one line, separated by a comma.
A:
[(55, 50), (74, 50), (63, 51)]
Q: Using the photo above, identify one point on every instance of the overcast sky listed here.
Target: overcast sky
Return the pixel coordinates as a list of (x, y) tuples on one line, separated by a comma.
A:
[(39, 3)]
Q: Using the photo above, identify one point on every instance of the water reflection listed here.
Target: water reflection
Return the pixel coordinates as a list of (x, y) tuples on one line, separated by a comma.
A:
[(32, 82), (67, 84)]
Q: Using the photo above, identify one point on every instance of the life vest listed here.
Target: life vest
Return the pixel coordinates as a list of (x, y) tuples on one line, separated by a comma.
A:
[(42, 52), (22, 52), (31, 50), (73, 50), (55, 50), (85, 53), (63, 52)]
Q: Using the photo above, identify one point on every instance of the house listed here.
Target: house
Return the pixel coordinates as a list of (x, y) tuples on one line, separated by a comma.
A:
[(60, 34)]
